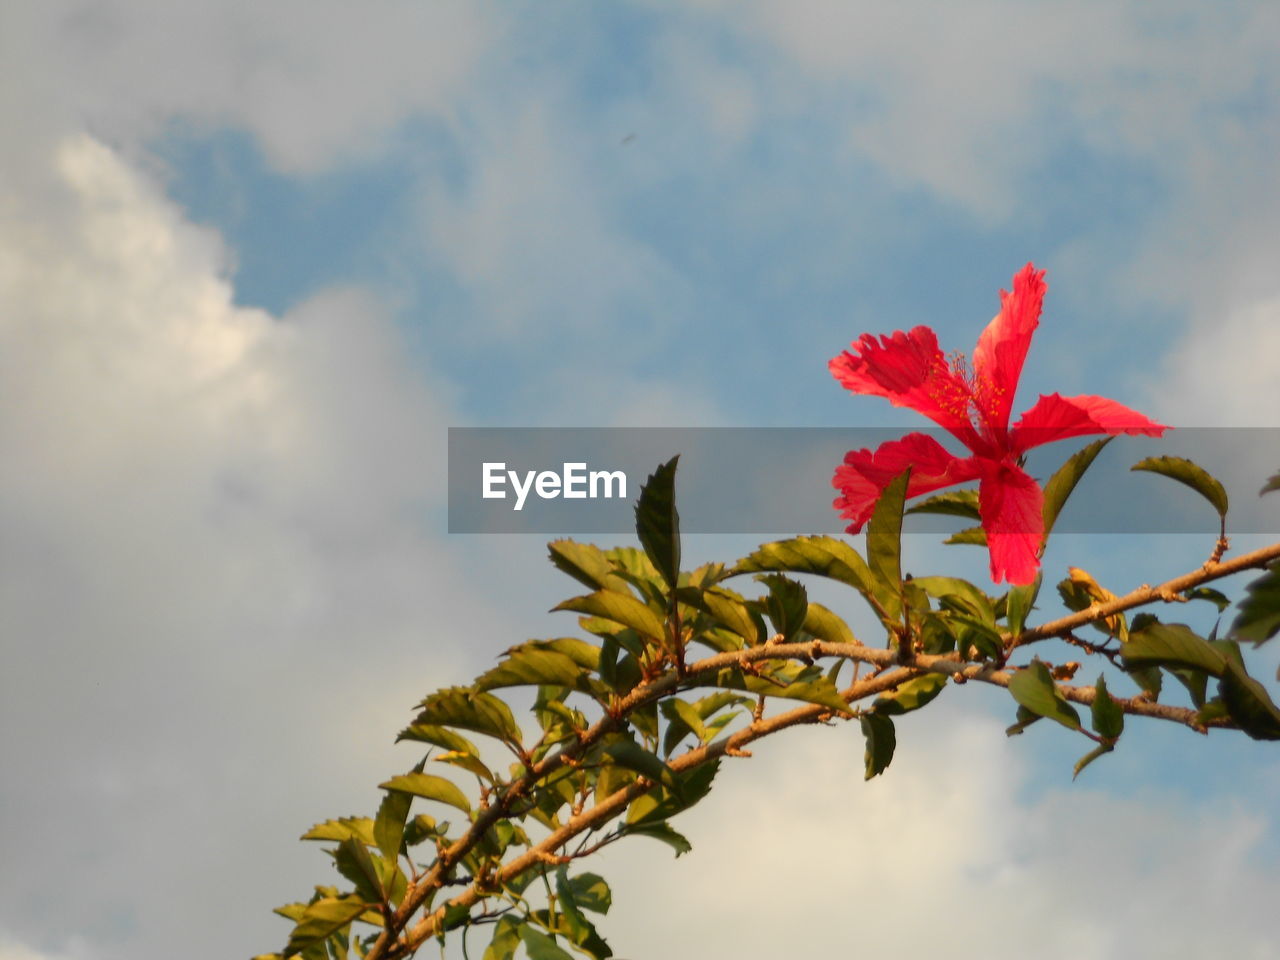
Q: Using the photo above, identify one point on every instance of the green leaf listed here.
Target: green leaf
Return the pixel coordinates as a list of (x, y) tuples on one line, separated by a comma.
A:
[(541, 947), (825, 625), (1171, 645), (884, 541), (631, 755), (587, 564), (338, 830), (1023, 719), (393, 813), (1190, 474), (953, 503), (429, 787), (442, 737), (1021, 602), (1216, 597), (1259, 617), (728, 608), (354, 862), (787, 604), (1033, 688), (662, 831), (881, 741), (531, 666), (662, 804), (1107, 715), (591, 892), (1248, 702), (961, 594), (321, 919), (506, 938), (658, 523), (912, 695), (470, 710), (1272, 485), (824, 556), (581, 931), (1064, 480), (1089, 757), (972, 536), (683, 718), (620, 608)]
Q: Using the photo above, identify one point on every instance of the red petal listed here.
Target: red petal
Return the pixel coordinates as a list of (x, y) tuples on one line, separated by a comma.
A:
[(909, 370), (864, 474), (1055, 417), (1012, 508), (1002, 348)]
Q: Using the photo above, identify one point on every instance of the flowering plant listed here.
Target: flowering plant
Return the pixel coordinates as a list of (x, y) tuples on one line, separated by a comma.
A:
[(974, 405)]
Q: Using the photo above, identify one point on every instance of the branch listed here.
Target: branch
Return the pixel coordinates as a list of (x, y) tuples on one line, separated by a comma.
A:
[(1168, 592)]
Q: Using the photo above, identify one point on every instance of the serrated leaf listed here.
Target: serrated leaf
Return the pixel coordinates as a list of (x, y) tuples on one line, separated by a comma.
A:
[(338, 830), (1259, 617), (912, 695), (658, 522), (953, 503), (787, 604), (959, 593), (1064, 480), (1033, 688), (354, 862), (620, 608), (470, 710), (1170, 645), (971, 536), (664, 832), (429, 787), (823, 556), (320, 920), (388, 828), (587, 564), (881, 742), (1190, 474), (1107, 715), (884, 541), (1089, 757), (442, 737), (729, 609), (530, 666)]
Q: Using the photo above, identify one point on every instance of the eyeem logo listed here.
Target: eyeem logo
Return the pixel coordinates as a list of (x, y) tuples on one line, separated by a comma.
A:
[(574, 482)]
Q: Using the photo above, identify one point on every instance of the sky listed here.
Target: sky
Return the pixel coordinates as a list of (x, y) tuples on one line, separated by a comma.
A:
[(255, 259)]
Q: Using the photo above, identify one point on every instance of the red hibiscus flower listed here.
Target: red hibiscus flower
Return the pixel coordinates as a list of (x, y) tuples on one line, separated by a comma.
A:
[(974, 404)]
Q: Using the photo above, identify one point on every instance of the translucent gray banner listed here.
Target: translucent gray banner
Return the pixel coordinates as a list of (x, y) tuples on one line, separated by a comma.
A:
[(777, 480)]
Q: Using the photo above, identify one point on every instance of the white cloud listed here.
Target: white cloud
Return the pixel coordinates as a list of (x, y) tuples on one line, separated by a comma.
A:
[(794, 855), (217, 539), (314, 82), (1226, 370)]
